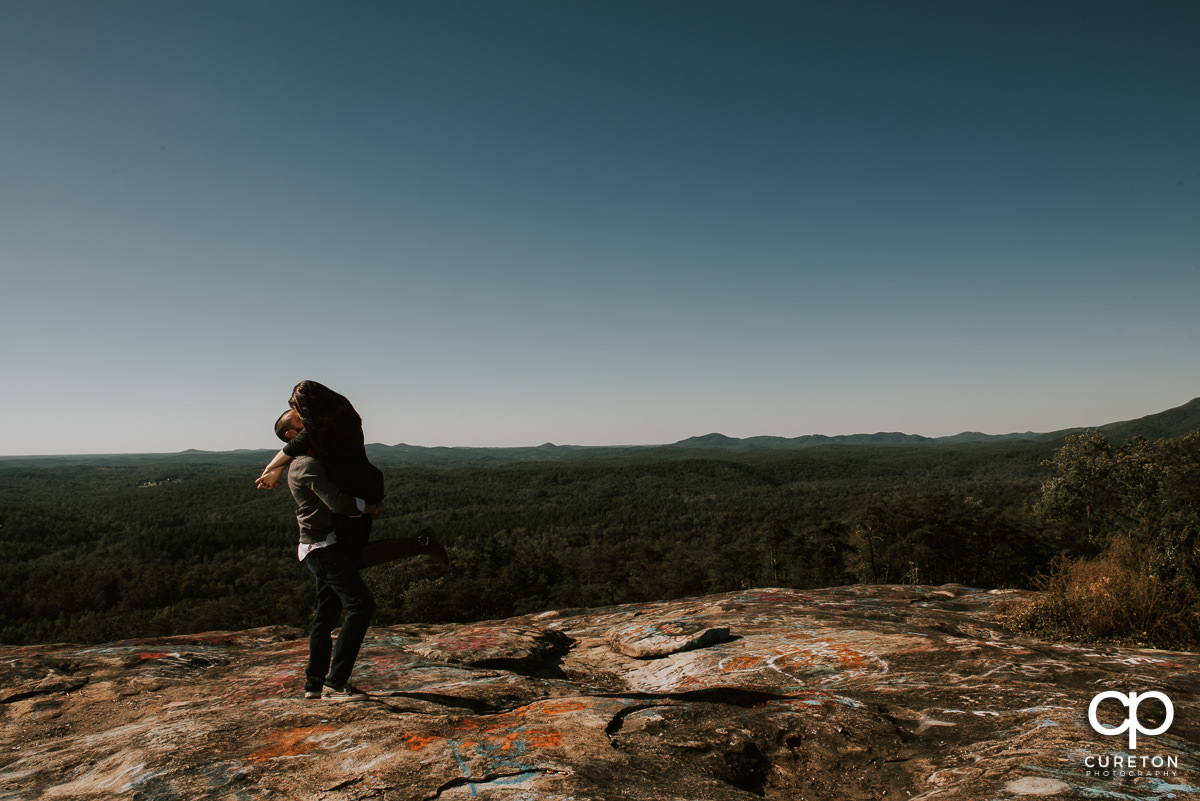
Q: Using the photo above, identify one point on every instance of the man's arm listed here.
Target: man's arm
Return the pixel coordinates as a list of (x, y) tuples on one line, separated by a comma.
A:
[(273, 472)]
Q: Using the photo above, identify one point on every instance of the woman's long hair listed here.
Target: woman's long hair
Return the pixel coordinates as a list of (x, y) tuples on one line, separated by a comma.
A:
[(329, 418)]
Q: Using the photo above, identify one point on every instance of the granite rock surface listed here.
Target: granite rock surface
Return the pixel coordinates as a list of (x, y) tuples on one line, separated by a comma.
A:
[(860, 692)]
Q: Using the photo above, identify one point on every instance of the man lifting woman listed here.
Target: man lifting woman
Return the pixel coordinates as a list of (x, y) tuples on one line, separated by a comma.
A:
[(338, 492)]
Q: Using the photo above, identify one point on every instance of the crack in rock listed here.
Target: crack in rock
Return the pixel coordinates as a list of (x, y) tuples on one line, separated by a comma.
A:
[(614, 726), (51, 685), (731, 696), (473, 705)]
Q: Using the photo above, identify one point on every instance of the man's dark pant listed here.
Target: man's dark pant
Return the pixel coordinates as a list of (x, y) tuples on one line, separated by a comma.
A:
[(338, 586), (353, 534)]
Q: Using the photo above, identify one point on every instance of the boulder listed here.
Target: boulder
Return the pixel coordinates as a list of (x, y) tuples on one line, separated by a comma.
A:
[(659, 638), (517, 648), (862, 692)]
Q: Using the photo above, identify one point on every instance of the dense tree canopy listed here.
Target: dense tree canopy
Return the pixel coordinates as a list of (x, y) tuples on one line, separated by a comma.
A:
[(1126, 520), (137, 548), (134, 547)]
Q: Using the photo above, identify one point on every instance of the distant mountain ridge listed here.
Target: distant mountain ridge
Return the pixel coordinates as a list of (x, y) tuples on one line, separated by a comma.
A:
[(1176, 422), (808, 440)]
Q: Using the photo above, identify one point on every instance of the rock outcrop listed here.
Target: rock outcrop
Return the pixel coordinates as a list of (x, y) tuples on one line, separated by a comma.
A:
[(856, 692)]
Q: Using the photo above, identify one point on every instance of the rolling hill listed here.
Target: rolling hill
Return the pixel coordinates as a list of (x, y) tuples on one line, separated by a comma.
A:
[(1175, 422)]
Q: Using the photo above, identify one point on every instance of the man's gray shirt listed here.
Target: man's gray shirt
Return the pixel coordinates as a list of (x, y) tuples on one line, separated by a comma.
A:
[(317, 499)]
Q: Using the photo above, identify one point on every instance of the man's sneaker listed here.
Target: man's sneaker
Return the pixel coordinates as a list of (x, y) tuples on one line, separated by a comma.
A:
[(432, 547), (311, 695), (346, 693)]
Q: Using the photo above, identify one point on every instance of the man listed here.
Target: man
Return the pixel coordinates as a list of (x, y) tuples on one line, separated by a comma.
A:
[(339, 585), (354, 533)]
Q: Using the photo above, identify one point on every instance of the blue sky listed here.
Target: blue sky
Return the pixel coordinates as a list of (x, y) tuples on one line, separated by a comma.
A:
[(509, 223)]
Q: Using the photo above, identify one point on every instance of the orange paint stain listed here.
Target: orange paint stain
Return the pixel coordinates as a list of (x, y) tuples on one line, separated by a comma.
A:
[(512, 731), (415, 742), (544, 739), (290, 743), (740, 663), (560, 707)]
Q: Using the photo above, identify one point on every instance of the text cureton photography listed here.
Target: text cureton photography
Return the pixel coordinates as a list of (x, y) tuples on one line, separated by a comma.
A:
[(1122, 765), (1118, 765)]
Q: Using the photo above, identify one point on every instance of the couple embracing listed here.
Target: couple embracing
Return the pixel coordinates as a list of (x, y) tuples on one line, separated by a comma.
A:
[(338, 492)]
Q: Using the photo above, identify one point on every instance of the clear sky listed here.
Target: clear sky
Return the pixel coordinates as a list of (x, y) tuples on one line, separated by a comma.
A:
[(594, 223)]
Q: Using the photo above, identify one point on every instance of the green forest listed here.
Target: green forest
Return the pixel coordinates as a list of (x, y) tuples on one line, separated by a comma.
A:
[(106, 550)]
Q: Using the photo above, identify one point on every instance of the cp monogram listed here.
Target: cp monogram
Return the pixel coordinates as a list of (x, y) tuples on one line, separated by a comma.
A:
[(1132, 724)]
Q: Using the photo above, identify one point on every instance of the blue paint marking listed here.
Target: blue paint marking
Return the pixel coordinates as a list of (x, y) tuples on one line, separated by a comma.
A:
[(494, 762), (462, 766)]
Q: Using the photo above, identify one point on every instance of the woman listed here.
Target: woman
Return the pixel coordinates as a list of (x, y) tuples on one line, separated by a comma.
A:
[(331, 429), (325, 423)]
